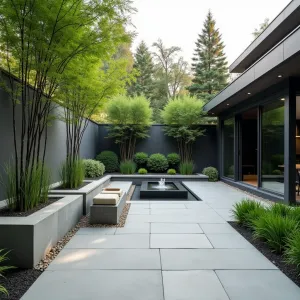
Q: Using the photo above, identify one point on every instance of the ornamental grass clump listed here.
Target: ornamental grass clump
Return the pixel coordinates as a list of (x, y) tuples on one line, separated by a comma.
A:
[(127, 167), (275, 230), (280, 209), (186, 168), (241, 210), (254, 215), (292, 252), (72, 173), (3, 258)]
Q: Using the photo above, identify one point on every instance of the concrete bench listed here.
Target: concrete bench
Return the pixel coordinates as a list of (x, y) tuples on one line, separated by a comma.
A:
[(107, 213)]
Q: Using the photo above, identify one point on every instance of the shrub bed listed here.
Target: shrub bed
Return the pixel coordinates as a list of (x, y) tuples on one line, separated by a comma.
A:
[(212, 173), (275, 229)]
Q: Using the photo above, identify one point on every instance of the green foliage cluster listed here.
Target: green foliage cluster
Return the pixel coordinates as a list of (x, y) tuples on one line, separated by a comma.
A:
[(171, 172), (142, 171), (72, 173), (157, 163), (3, 268), (130, 119), (278, 225), (186, 168), (173, 159), (93, 168), (183, 117), (35, 190), (110, 160), (212, 173), (127, 167), (141, 159)]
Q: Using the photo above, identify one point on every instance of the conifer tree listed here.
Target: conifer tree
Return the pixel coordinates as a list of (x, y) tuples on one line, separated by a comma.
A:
[(209, 62), (143, 64)]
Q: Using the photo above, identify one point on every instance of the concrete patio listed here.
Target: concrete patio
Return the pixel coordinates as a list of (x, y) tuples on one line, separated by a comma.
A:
[(166, 251)]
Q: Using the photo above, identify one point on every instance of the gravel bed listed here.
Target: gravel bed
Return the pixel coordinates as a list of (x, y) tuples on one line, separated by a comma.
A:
[(289, 270), (17, 282), (5, 212)]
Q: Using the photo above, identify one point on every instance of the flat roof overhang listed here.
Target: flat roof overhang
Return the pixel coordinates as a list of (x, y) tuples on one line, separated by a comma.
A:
[(278, 29), (281, 62)]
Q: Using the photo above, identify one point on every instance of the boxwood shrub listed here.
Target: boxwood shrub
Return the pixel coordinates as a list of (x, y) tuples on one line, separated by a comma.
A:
[(171, 172), (157, 163), (173, 159), (212, 173), (110, 161), (142, 171), (141, 158), (93, 168)]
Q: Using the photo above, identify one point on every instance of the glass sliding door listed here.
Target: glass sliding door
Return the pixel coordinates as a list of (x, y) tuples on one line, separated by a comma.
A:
[(228, 148), (272, 146)]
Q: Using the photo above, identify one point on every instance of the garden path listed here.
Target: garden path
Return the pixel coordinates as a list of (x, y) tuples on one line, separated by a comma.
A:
[(168, 250)]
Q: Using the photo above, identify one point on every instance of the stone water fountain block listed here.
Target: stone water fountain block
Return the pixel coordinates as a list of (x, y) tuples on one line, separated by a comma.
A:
[(178, 192)]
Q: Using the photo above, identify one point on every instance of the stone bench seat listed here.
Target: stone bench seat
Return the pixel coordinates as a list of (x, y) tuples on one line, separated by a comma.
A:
[(112, 191), (107, 208)]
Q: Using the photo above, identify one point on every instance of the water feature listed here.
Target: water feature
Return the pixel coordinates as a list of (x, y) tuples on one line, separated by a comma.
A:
[(162, 185)]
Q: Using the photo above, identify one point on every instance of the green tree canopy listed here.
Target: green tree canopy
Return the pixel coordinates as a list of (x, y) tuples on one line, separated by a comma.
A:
[(262, 27), (209, 62), (183, 117), (130, 118)]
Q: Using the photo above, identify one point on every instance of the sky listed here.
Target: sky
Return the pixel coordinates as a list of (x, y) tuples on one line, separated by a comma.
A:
[(178, 22)]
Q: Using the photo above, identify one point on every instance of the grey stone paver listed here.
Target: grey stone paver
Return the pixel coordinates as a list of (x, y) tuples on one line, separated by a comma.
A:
[(217, 228), (258, 285), (96, 231), (97, 284), (213, 259), (133, 228), (132, 241), (167, 250), (175, 228), (193, 285), (228, 240), (179, 241), (113, 259)]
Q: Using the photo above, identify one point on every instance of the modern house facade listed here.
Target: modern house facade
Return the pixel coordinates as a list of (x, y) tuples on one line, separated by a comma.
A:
[(259, 113)]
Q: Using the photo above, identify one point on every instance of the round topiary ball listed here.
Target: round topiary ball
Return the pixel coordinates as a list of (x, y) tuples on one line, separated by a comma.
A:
[(212, 173), (110, 161), (142, 171), (157, 163), (171, 172), (93, 168), (173, 159), (141, 158)]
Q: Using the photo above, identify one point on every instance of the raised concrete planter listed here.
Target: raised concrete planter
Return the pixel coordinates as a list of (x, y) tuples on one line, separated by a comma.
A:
[(88, 192), (107, 214), (30, 238)]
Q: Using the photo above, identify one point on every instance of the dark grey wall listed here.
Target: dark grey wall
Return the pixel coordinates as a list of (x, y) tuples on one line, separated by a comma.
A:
[(56, 147), (205, 148)]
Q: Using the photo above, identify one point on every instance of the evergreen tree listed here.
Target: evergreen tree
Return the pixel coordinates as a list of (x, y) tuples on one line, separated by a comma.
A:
[(143, 64), (209, 62)]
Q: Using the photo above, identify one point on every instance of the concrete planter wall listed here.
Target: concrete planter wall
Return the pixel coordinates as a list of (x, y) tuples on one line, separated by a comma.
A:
[(30, 238), (88, 192)]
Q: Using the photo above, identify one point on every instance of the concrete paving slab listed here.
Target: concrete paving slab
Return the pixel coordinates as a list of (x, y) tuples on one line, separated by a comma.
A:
[(213, 259), (96, 231), (179, 241), (97, 284), (258, 285), (175, 228), (110, 259), (228, 240), (131, 241), (167, 205), (192, 285), (134, 228), (217, 228), (139, 211)]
